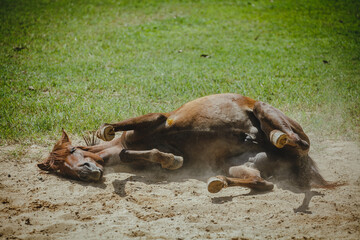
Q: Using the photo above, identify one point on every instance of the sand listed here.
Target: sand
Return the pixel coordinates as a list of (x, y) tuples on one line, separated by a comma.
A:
[(162, 204)]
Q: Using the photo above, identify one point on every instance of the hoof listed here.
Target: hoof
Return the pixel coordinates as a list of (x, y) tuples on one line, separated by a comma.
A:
[(124, 157), (302, 209), (215, 184), (278, 138), (176, 163), (106, 133)]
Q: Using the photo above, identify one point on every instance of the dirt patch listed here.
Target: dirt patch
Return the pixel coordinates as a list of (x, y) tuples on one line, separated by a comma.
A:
[(172, 205)]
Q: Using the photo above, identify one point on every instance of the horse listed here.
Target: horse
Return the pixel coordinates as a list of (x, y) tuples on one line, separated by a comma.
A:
[(249, 141)]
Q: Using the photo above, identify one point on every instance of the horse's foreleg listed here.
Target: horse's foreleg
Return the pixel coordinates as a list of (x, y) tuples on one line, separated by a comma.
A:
[(111, 154), (167, 160), (101, 147), (107, 131)]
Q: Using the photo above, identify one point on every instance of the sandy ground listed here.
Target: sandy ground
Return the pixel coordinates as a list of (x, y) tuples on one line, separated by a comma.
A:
[(155, 204)]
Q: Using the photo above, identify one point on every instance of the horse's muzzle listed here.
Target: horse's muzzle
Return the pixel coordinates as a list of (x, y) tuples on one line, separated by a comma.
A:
[(90, 172)]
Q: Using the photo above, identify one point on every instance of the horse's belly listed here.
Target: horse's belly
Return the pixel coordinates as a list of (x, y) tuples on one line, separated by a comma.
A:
[(206, 130), (213, 113)]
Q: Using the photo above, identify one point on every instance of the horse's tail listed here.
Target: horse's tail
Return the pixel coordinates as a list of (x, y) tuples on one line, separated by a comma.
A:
[(318, 181)]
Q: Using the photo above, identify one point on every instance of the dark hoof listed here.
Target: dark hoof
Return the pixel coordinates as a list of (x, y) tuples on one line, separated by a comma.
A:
[(301, 209), (124, 157)]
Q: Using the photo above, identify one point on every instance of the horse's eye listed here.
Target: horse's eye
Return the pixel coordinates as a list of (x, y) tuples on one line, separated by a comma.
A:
[(72, 150)]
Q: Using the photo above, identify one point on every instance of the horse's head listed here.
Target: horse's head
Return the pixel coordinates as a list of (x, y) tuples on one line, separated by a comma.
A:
[(73, 162)]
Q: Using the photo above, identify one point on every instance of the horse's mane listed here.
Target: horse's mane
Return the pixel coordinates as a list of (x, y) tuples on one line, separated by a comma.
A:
[(58, 154)]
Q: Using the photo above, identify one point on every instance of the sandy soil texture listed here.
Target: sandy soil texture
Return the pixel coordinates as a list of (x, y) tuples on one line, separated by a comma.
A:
[(160, 204)]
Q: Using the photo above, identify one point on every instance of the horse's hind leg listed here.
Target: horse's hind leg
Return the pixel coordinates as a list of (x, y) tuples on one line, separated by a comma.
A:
[(242, 176), (292, 135), (307, 198), (167, 160)]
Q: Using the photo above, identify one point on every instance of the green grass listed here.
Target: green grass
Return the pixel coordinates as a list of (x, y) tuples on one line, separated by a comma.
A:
[(91, 62)]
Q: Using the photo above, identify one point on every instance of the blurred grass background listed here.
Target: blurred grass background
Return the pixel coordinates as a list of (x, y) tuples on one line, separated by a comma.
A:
[(78, 64)]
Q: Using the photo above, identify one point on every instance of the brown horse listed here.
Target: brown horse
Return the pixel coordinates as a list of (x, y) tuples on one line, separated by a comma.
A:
[(251, 140)]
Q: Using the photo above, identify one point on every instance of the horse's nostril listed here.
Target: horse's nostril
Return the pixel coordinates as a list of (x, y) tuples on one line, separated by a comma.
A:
[(86, 165)]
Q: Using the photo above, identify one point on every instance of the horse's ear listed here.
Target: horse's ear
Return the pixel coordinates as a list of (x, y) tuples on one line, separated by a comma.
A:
[(64, 138), (48, 165), (45, 166)]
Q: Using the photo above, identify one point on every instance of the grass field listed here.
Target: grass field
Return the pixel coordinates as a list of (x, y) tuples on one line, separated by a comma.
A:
[(78, 64)]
